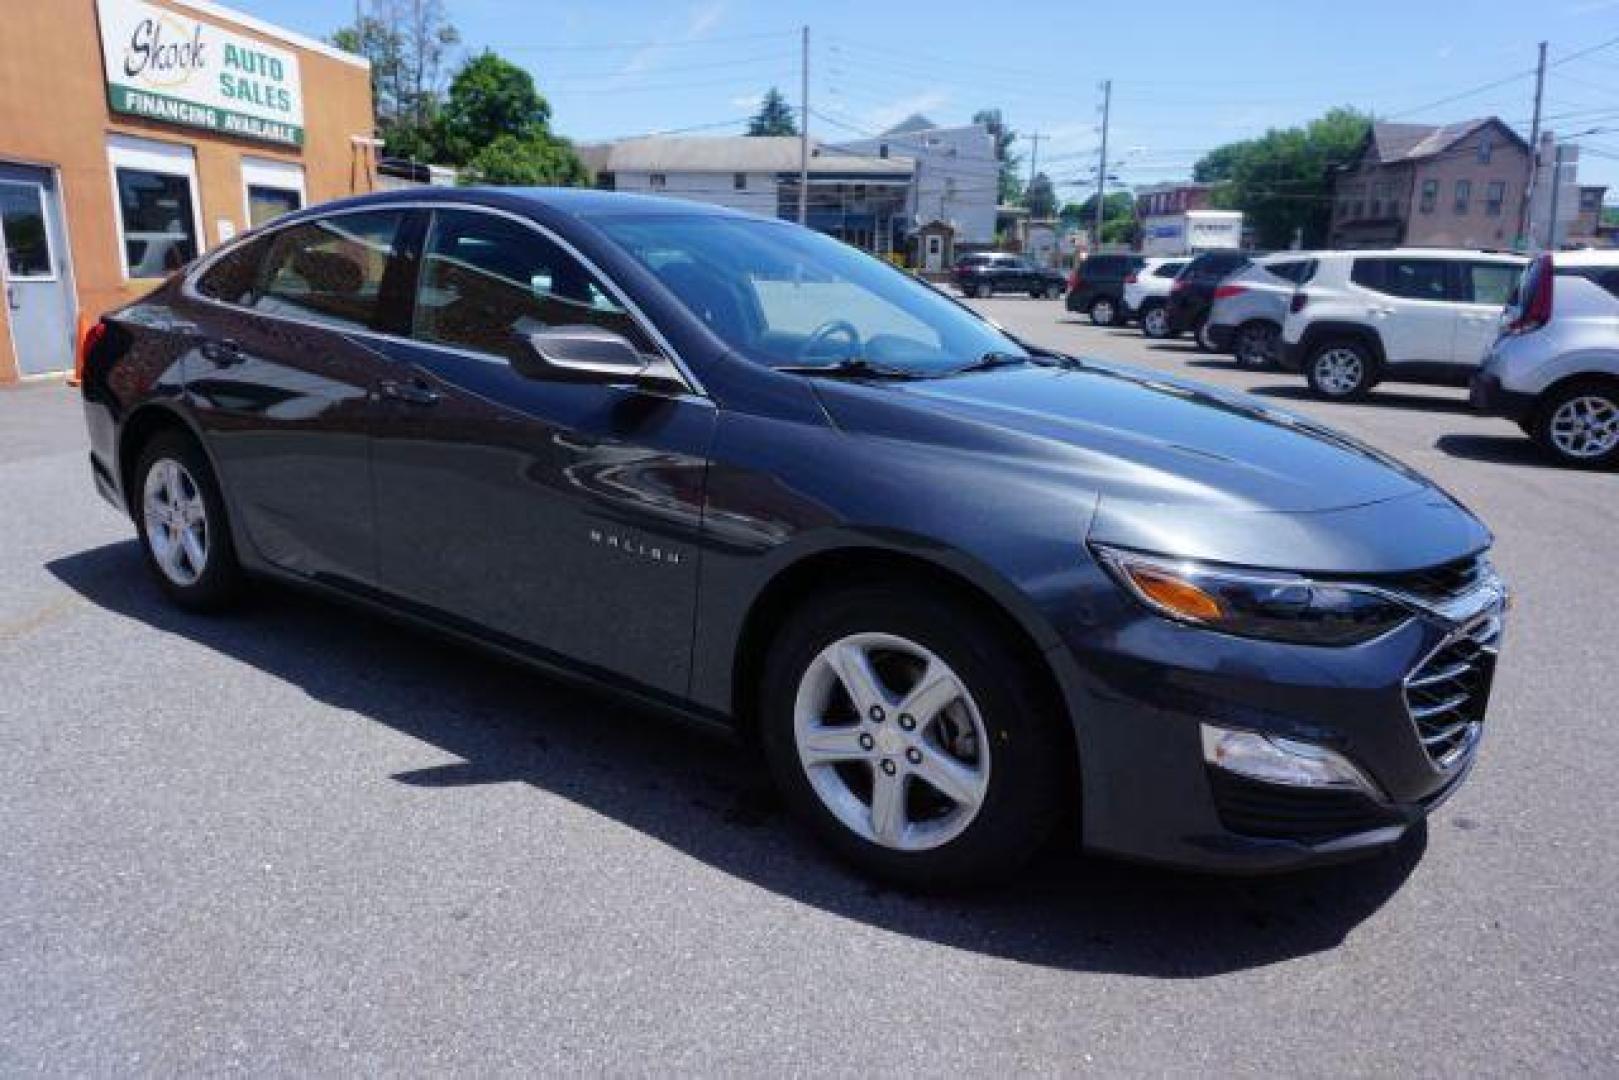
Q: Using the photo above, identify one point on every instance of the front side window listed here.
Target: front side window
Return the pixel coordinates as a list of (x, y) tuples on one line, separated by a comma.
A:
[(488, 282), (658, 181), (1464, 195), (331, 270), (1491, 283), (1430, 196), (159, 218), (780, 295), (23, 233), (235, 273), (1495, 196)]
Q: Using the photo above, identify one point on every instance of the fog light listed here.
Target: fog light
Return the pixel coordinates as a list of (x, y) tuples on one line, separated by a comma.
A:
[(1277, 760)]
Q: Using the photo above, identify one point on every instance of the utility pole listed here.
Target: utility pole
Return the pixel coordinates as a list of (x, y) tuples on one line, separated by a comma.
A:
[(803, 130), (1524, 223), (1557, 188), (1034, 154), (1101, 163)]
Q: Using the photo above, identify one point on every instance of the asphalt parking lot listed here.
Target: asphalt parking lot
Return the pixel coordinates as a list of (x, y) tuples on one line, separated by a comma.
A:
[(299, 840)]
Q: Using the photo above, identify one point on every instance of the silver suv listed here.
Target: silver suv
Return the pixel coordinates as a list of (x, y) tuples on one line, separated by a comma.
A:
[(1402, 315), (1251, 305), (1555, 366)]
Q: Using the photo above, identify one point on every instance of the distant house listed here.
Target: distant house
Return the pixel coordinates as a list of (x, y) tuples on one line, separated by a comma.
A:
[(957, 176), (1420, 185), (862, 200)]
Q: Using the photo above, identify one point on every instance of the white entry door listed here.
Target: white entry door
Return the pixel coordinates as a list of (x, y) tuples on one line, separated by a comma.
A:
[(933, 253), (33, 270)]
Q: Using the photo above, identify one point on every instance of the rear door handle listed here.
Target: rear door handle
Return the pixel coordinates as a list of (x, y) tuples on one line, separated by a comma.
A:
[(414, 392), (223, 352)]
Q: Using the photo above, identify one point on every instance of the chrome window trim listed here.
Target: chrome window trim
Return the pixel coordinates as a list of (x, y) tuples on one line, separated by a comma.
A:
[(188, 287)]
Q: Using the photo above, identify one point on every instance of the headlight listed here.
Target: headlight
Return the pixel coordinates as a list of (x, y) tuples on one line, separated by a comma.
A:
[(1254, 603)]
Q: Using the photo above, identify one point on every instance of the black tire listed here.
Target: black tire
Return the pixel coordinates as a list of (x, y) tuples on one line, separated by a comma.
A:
[(1551, 426), (1155, 321), (221, 580), (1256, 344), (1053, 291), (1037, 293), (1024, 796), (984, 290), (1200, 335), (1105, 311), (1329, 372)]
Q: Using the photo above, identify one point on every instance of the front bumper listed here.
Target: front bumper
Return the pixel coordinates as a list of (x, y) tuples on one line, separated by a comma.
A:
[(1142, 692), (1486, 395)]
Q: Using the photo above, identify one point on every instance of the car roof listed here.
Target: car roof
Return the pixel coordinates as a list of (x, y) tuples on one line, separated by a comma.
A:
[(1422, 252), (1587, 257), (577, 202)]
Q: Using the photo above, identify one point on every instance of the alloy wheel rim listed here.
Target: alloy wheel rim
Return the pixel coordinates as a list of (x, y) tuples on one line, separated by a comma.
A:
[(1338, 371), (176, 520), (1102, 312), (1586, 426), (1156, 322), (891, 741)]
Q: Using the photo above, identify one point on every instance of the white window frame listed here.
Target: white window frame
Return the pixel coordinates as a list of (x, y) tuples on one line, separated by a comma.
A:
[(270, 173), (164, 158)]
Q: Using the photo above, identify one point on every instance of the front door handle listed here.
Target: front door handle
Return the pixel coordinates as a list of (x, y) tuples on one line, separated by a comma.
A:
[(414, 392), (223, 352)]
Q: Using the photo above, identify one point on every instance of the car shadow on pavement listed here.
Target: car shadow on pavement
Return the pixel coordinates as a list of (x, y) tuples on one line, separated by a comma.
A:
[(1177, 347), (1497, 450), (1390, 399), (705, 795)]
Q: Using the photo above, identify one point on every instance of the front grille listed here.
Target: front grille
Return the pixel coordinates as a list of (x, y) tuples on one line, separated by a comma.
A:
[(1307, 815), (1446, 695)]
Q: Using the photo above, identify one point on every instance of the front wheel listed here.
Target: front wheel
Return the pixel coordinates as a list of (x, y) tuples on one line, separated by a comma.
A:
[(1579, 425), (180, 517), (910, 737), (1104, 312), (1340, 370)]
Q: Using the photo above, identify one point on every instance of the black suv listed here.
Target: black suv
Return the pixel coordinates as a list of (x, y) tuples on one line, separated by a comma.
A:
[(986, 273), (1193, 292), (1097, 287), (958, 590)]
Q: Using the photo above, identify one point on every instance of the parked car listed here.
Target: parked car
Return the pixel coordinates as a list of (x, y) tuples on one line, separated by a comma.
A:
[(989, 272), (1413, 315), (1096, 287), (717, 463), (1554, 368), (1146, 290), (1249, 307), (1192, 293)]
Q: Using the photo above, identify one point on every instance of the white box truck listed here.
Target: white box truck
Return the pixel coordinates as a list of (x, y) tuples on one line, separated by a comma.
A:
[(1191, 232)]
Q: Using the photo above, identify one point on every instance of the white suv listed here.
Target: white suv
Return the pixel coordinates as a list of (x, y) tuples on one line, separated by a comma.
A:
[(1555, 367), (1145, 291), (1404, 315)]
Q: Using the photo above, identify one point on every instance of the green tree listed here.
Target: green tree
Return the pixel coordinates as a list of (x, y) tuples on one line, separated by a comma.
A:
[(531, 161), (1282, 181), (1041, 197), (775, 116), (1011, 187), (408, 43)]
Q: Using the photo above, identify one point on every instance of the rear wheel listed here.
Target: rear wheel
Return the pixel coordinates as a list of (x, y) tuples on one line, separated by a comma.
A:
[(1200, 334), (1104, 311), (1155, 321), (180, 517), (1256, 344), (1341, 370), (1053, 291), (910, 737), (984, 290), (1578, 425)]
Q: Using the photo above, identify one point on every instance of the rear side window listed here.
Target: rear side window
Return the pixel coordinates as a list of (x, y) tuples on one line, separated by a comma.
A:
[(232, 276), (1412, 279), (488, 282), (330, 271), (1288, 271), (1169, 270)]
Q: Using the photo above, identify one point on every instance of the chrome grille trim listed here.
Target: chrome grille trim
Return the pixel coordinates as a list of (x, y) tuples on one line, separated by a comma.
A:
[(1446, 694)]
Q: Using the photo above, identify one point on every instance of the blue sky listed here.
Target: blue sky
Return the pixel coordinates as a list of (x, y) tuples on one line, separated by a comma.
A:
[(1186, 76)]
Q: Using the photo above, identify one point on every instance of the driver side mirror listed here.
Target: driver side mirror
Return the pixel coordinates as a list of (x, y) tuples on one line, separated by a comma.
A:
[(593, 354)]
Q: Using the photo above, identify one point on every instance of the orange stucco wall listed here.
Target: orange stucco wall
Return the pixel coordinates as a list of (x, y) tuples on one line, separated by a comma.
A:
[(53, 112)]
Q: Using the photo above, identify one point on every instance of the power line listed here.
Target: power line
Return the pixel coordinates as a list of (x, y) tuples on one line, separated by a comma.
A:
[(619, 46)]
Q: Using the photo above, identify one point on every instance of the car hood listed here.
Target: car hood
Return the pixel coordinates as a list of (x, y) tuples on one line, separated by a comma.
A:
[(1151, 447)]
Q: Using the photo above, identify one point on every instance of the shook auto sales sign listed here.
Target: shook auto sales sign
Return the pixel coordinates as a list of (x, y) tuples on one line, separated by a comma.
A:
[(166, 66)]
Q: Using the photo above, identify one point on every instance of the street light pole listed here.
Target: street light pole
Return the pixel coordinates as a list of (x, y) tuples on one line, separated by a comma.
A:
[(1101, 163)]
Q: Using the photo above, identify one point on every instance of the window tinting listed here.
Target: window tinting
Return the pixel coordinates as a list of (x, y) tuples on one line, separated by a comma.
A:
[(1414, 279), (330, 270), (22, 228), (488, 282), (160, 227), (1491, 283), (232, 277), (1169, 270)]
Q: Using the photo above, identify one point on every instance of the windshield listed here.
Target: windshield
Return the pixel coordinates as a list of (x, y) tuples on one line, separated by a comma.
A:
[(785, 296)]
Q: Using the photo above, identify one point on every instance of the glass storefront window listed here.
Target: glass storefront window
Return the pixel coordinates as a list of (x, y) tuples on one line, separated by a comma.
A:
[(159, 219)]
